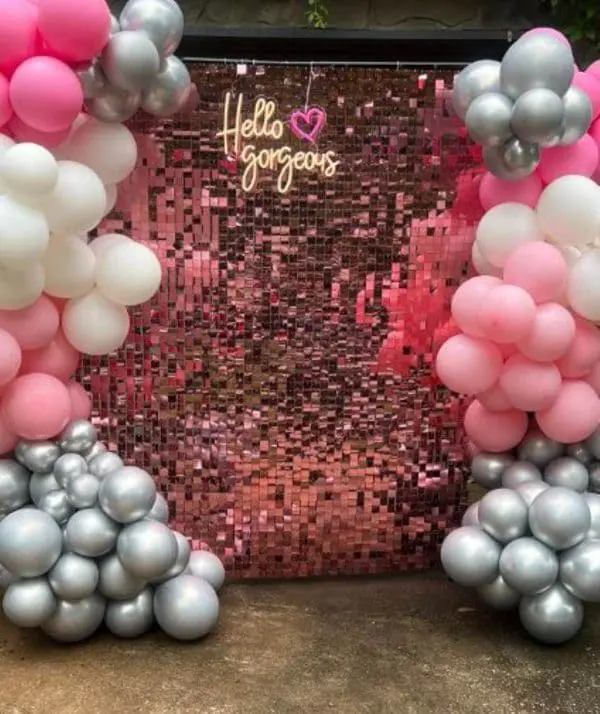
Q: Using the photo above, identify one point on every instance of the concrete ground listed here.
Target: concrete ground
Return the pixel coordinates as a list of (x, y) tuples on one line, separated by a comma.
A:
[(409, 645)]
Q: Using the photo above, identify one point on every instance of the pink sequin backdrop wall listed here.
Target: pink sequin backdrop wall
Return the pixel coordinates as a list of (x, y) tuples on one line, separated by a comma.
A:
[(280, 386)]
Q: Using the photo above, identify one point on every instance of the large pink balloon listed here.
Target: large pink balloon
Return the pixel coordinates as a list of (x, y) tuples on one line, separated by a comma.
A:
[(530, 385), (74, 30), (24, 133), (507, 313), (468, 365), (583, 352), (593, 378), (579, 159), (494, 431), (18, 33), (6, 111), (495, 399), (8, 440), (539, 268), (59, 359), (551, 335), (493, 191), (590, 85), (10, 357), (81, 402), (466, 303), (34, 326), (574, 415), (594, 69), (36, 406)]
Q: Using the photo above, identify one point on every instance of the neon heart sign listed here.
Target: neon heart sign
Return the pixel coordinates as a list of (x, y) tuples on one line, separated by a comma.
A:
[(307, 124)]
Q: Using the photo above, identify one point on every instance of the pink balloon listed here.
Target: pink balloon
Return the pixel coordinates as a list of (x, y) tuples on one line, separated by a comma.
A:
[(468, 365), (8, 440), (593, 378), (59, 359), (10, 357), (579, 159), (594, 69), (36, 406), (34, 326), (530, 385), (466, 302), (539, 268), (551, 335), (507, 313), (24, 133), (81, 401), (548, 31), (493, 191), (583, 352), (6, 111), (590, 85), (46, 94), (18, 33), (76, 31), (494, 431), (495, 399), (573, 416)]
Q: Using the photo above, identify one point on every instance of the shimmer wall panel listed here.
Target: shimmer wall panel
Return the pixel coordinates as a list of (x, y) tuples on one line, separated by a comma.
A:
[(280, 386)]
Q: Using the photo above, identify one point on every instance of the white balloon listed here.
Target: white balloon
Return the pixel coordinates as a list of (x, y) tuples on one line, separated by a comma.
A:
[(504, 228), (70, 266), (21, 288), (481, 265), (24, 233), (111, 197), (102, 243), (583, 290), (95, 325), (28, 170), (128, 273), (569, 210)]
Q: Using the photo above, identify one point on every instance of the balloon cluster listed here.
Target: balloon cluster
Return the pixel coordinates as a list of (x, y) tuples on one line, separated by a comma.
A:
[(533, 541), (84, 540)]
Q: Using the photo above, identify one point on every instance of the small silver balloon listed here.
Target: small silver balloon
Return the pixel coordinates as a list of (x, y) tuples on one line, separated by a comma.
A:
[(580, 570), (503, 515), (537, 61), (79, 436), (169, 91), (499, 595), (127, 495), (97, 449), (147, 549), (131, 618), (57, 505), (560, 518), (494, 158), (114, 25), (470, 557), (488, 119), (160, 20), (30, 542), (568, 473), (538, 116), (6, 578), (14, 486), (470, 517), (593, 444), (186, 608), (29, 602), (92, 80), (160, 510), (82, 491), (552, 617), (103, 464), (207, 566), (528, 566), (114, 106), (593, 502), (594, 477), (519, 473), (91, 533), (474, 80), (68, 466), (40, 484), (539, 449), (487, 469), (76, 621), (116, 583), (521, 155), (130, 61), (38, 456), (580, 452), (181, 562), (531, 490), (578, 115), (73, 577)]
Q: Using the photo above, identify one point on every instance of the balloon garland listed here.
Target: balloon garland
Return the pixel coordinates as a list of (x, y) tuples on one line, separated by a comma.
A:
[(83, 538)]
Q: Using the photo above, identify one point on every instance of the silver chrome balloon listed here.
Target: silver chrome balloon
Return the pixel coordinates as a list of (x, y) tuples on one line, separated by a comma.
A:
[(487, 469), (494, 158), (127, 495), (79, 436), (593, 444), (207, 566), (29, 602), (116, 583), (73, 577), (147, 549), (131, 618), (181, 562), (114, 105), (82, 491), (580, 570), (469, 556), (30, 542), (560, 518), (531, 490), (488, 119), (92, 80), (503, 515), (160, 510), (593, 502), (41, 484), (519, 473), (91, 533), (578, 115), (38, 456), (76, 621), (521, 155), (538, 117), (580, 452), (169, 91), (553, 616), (14, 486), (568, 473), (69, 466), (499, 595), (103, 464), (186, 608), (130, 61), (160, 20), (474, 80), (470, 517), (539, 449), (528, 566), (57, 505), (97, 449)]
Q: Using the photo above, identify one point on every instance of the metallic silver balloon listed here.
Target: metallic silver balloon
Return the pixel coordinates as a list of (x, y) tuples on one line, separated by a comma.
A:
[(578, 115), (521, 156), (580, 452), (92, 80), (503, 515), (536, 62), (73, 577), (593, 502), (130, 61), (553, 616), (76, 621), (499, 595), (170, 90), (91, 533), (186, 607), (69, 466), (116, 583), (494, 158), (30, 542), (560, 518), (181, 562), (470, 517), (593, 444), (131, 618), (160, 20), (41, 484), (57, 505), (160, 510), (538, 116), (114, 106), (487, 469), (82, 491), (580, 570), (38, 456), (147, 549), (488, 119), (531, 490), (469, 556), (29, 602), (519, 473), (114, 25), (6, 578), (127, 495), (97, 449), (14, 486), (528, 566), (474, 80), (539, 449), (207, 566), (594, 476), (568, 473), (79, 436), (103, 464)]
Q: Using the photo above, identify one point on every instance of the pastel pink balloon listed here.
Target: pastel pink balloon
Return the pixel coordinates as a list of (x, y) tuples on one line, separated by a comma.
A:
[(593, 378), (34, 326), (590, 85), (594, 69), (81, 401), (551, 335), (36, 406), (539, 268), (574, 415), (548, 31), (582, 353), (6, 111), (24, 133), (75, 31), (494, 431), (468, 365), (46, 94), (59, 359), (10, 357), (466, 302), (8, 440), (18, 33), (493, 191), (507, 313), (579, 159), (530, 385), (495, 399)]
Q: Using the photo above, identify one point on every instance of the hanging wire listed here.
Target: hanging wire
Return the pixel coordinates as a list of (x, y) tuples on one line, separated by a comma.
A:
[(322, 63)]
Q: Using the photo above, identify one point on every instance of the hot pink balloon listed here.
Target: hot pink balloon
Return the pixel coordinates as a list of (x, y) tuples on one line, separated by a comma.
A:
[(81, 402), (579, 159), (75, 31), (59, 359), (493, 191), (494, 431), (8, 440), (36, 406), (551, 335), (594, 69), (46, 94), (468, 365), (573, 416), (548, 31), (34, 326), (10, 357), (495, 399), (18, 33), (530, 385), (24, 133), (583, 352), (6, 111), (539, 268), (507, 313), (590, 85), (466, 303)]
